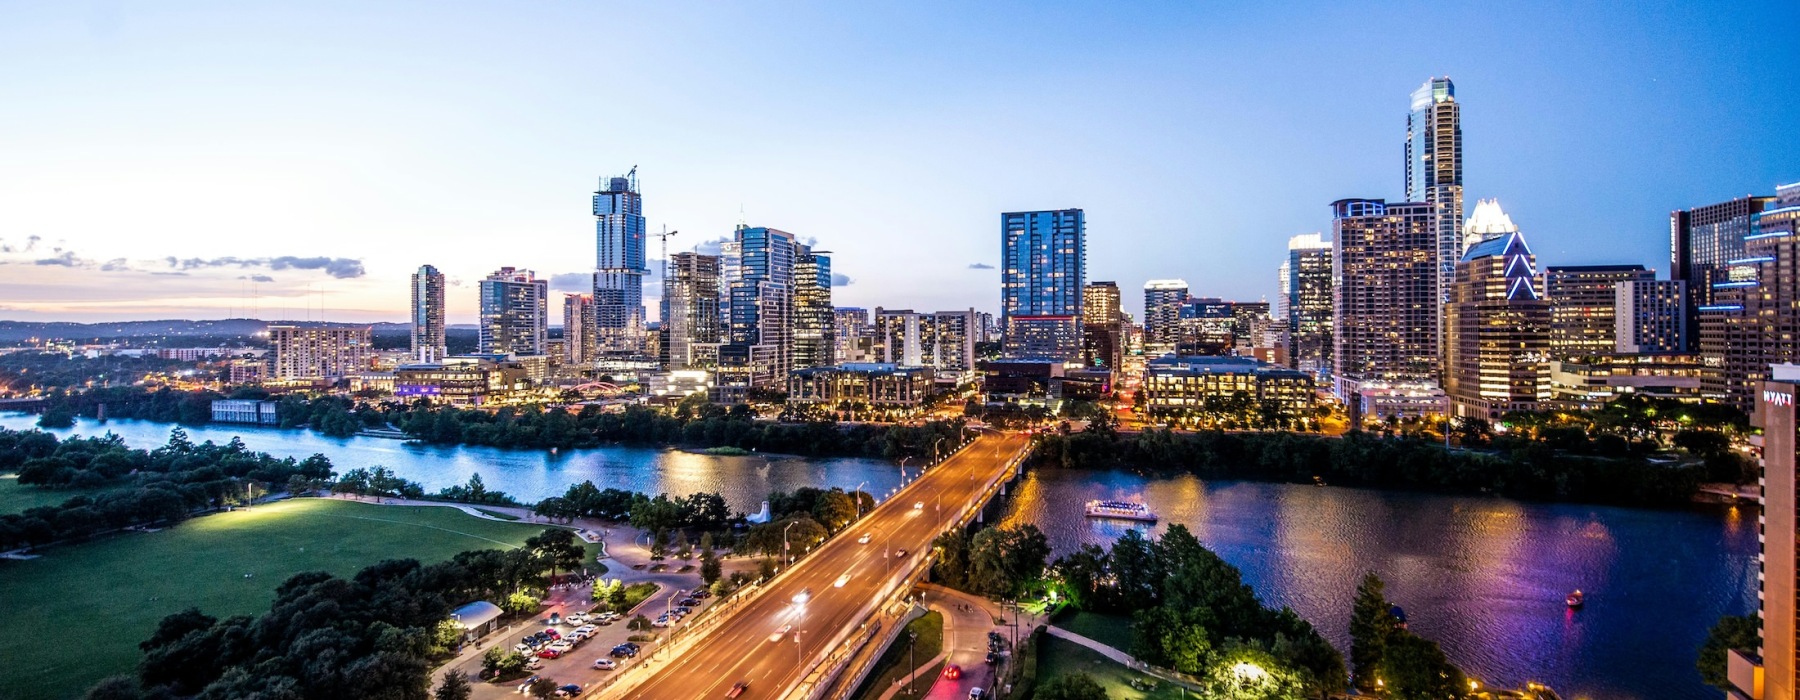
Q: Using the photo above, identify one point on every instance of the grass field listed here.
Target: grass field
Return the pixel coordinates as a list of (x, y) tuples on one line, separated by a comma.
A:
[(1057, 657), (110, 593), (16, 497), (1111, 630), (895, 663)]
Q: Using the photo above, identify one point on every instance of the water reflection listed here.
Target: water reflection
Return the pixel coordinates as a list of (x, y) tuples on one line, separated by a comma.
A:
[(1485, 577)]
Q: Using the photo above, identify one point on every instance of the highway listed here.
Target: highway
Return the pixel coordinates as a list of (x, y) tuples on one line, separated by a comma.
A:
[(741, 650)]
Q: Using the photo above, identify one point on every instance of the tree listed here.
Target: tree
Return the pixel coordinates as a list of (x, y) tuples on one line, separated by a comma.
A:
[(542, 688), (520, 603), (659, 544), (491, 661), (1075, 686), (1002, 560), (559, 548), (1372, 621), (710, 569), (447, 635), (952, 565), (1743, 633), (638, 623), (1414, 668), (453, 687), (1250, 674)]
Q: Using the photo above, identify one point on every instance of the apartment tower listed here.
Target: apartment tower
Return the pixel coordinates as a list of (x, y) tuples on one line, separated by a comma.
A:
[(428, 343)]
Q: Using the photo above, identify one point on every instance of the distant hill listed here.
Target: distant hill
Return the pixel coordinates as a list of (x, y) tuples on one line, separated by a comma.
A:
[(18, 331)]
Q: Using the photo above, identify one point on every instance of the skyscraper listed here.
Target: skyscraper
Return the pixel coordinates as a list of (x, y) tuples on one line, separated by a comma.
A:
[(690, 330), (1100, 303), (1702, 242), (1044, 266), (948, 339), (1306, 303), (814, 341), (1752, 320), (1584, 305), (580, 342), (619, 270), (1162, 309), (1773, 673), (514, 313), (1649, 316), (759, 347), (1497, 335), (1434, 168), (1102, 325), (318, 354), (855, 336), (900, 337), (428, 344), (1385, 309)]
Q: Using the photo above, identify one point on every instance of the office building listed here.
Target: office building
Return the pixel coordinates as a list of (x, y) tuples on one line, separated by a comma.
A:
[(1385, 308), (1702, 241), (875, 384), (1584, 302), (318, 354), (1219, 391), (1588, 383), (462, 380), (1497, 332), (1207, 326), (1753, 319), (1488, 221), (855, 335), (1100, 303), (899, 338), (1249, 321), (1650, 316), (428, 344), (619, 232), (948, 343), (690, 332), (1050, 338), (247, 411), (1102, 326), (1305, 302), (1043, 269), (580, 342), (759, 338), (514, 308), (1434, 169), (814, 340), (1773, 673), (1162, 310)]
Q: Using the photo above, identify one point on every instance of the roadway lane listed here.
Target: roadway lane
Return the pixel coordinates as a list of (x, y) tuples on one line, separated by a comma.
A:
[(742, 649)]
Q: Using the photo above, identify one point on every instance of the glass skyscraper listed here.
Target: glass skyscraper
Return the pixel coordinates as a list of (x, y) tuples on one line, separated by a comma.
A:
[(619, 234), (428, 315), (1306, 303), (1434, 169), (514, 313), (1043, 268)]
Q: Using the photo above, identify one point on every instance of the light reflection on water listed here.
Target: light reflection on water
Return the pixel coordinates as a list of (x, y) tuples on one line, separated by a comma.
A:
[(1485, 577)]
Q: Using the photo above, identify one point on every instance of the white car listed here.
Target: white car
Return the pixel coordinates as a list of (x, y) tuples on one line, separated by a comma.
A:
[(864, 539), (919, 505), (579, 618), (776, 637), (661, 622), (605, 664), (586, 630), (562, 645), (841, 581), (804, 595)]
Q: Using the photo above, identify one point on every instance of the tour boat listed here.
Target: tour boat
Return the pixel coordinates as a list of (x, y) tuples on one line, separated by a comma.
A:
[(1123, 510), (1574, 599)]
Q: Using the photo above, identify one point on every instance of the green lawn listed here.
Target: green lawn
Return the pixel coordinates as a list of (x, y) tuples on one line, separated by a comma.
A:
[(895, 663), (1111, 630), (1057, 657), (114, 590), (16, 497)]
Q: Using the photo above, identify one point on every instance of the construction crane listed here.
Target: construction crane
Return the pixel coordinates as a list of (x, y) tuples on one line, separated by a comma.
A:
[(664, 238)]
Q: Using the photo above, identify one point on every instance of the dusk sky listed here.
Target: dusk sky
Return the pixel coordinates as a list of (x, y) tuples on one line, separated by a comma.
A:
[(162, 160)]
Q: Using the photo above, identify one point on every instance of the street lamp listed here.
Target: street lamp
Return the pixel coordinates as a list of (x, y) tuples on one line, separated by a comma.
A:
[(903, 469), (786, 552), (934, 450), (857, 494)]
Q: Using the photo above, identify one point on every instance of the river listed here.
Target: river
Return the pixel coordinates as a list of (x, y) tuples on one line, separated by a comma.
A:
[(1483, 576)]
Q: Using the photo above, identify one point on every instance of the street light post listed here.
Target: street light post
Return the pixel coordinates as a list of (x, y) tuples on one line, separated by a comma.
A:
[(787, 556), (857, 494), (934, 450), (903, 469), (912, 653)]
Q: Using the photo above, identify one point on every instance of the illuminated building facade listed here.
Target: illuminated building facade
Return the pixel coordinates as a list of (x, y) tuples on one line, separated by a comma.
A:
[(619, 234), (428, 343), (1753, 318), (1584, 306), (1385, 298), (1305, 302), (1497, 332), (1043, 269), (515, 318)]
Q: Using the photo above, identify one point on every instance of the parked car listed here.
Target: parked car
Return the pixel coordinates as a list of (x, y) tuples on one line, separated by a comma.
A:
[(702, 594), (534, 663), (623, 651), (525, 687), (549, 653), (977, 694), (569, 691), (605, 664)]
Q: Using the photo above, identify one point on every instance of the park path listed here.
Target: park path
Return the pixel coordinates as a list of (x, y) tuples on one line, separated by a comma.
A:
[(1104, 650)]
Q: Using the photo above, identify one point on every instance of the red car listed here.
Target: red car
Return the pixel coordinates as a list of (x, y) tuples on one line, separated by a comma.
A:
[(553, 633), (549, 654), (952, 672), (737, 689)]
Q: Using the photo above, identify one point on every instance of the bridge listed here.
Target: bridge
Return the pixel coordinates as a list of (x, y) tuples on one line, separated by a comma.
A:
[(816, 656), (28, 405)]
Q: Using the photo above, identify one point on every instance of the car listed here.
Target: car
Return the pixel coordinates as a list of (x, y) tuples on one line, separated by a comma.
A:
[(804, 595), (623, 652), (523, 647), (534, 663), (841, 580), (548, 653), (630, 645), (737, 689), (864, 539), (776, 637), (525, 687), (977, 694), (551, 633), (605, 664), (576, 619), (952, 672), (661, 621), (569, 691), (701, 594), (563, 645), (684, 610), (919, 505), (899, 553), (688, 602)]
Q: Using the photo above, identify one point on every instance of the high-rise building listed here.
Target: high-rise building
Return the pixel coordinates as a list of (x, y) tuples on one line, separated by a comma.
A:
[(1497, 339), (318, 354), (1434, 168), (1043, 266), (1100, 303), (580, 341), (515, 315), (759, 338), (814, 341), (948, 338), (855, 335), (1584, 306), (1650, 316), (1385, 308), (690, 312), (1249, 321), (619, 270), (1487, 222), (428, 344), (1753, 319), (1702, 241), (1162, 309), (1102, 326), (899, 337), (1305, 302), (1043, 338), (1774, 672)]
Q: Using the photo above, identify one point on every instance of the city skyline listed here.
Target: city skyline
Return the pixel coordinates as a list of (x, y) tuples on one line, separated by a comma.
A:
[(303, 182)]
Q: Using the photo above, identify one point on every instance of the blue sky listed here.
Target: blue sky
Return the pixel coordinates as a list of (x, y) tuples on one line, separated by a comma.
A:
[(316, 153)]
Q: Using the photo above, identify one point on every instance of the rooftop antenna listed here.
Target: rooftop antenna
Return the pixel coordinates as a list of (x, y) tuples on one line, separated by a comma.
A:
[(741, 223), (632, 176)]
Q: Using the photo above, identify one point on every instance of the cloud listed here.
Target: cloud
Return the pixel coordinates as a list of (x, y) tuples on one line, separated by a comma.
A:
[(711, 247), (257, 278), (63, 259), (572, 282), (980, 266), (839, 279), (116, 265), (340, 268)]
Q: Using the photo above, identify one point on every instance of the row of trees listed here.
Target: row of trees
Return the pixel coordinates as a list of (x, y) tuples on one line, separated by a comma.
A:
[(1192, 612), (1534, 470), (372, 635)]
